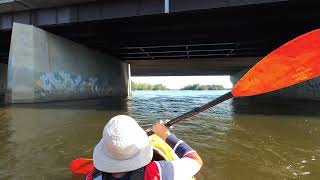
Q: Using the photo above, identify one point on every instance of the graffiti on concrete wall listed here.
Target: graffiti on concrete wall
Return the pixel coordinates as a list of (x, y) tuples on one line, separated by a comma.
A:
[(65, 83)]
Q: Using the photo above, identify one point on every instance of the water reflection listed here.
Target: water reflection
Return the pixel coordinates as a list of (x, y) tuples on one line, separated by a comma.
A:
[(108, 103), (274, 106)]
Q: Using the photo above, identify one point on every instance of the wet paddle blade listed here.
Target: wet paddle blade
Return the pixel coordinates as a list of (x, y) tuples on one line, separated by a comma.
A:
[(290, 64), (81, 166)]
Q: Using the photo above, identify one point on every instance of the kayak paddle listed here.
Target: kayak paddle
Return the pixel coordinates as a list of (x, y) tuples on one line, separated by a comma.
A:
[(294, 62)]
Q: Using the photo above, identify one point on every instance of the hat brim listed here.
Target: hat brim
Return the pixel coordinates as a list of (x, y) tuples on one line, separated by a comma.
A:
[(105, 163)]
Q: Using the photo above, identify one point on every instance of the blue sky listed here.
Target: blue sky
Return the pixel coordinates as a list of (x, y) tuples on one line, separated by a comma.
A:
[(177, 82)]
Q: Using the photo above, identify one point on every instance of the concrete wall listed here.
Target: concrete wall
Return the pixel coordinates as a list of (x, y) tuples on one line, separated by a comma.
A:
[(309, 90), (44, 67), (3, 78)]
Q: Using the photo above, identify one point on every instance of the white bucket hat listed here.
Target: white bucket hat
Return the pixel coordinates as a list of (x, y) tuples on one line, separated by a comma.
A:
[(124, 146)]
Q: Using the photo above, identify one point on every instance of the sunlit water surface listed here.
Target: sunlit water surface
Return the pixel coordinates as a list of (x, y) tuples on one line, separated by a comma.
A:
[(238, 140)]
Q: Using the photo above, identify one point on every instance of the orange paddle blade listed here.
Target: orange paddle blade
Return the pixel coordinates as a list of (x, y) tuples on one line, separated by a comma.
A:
[(290, 64), (81, 166)]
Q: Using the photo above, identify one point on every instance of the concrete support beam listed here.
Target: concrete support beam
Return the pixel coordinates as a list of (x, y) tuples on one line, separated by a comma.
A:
[(103, 10), (44, 67), (21, 5), (309, 90), (55, 12)]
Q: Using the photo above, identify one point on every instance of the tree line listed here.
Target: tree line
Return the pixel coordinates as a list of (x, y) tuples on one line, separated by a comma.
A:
[(203, 87), (145, 86)]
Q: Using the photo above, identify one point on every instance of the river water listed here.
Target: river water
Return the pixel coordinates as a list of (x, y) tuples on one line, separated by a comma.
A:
[(238, 139)]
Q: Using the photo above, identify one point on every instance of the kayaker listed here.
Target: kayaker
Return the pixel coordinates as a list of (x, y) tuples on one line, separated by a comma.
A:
[(125, 153)]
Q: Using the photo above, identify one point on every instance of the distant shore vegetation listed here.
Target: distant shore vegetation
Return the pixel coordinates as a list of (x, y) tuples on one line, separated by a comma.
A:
[(203, 87), (144, 86)]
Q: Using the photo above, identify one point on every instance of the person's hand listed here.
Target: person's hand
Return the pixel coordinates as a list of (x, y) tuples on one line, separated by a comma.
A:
[(161, 130)]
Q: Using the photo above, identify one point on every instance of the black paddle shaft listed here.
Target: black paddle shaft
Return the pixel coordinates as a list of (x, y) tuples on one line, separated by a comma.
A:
[(200, 109)]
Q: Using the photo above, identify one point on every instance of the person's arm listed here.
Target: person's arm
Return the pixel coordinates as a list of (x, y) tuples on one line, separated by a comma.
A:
[(188, 164)]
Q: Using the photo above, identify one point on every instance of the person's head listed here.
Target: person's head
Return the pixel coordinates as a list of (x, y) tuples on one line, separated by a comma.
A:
[(124, 146)]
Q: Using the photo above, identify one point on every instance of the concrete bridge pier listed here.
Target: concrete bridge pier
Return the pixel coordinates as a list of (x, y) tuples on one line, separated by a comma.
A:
[(309, 90), (44, 67)]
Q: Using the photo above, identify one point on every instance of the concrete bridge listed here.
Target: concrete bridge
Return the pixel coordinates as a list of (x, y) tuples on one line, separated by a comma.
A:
[(84, 46)]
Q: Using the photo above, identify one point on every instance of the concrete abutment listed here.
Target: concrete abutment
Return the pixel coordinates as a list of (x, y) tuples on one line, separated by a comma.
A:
[(44, 67), (309, 90)]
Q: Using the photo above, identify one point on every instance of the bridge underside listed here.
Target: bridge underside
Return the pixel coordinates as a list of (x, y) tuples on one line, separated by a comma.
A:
[(183, 67), (184, 42)]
